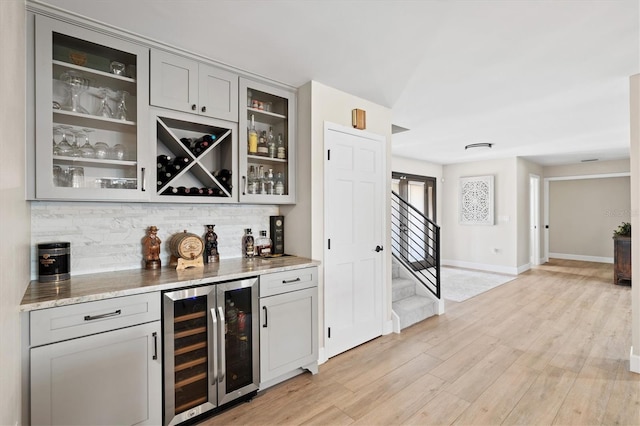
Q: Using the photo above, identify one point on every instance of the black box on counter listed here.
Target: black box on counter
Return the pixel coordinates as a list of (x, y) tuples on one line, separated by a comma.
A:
[(276, 224)]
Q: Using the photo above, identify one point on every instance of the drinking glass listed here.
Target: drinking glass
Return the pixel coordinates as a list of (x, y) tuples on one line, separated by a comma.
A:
[(101, 150), (104, 110), (57, 136), (76, 176), (75, 142), (77, 84), (118, 152), (64, 147), (87, 150)]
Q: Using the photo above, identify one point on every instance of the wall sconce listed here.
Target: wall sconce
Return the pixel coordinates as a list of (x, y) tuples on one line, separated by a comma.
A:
[(359, 119)]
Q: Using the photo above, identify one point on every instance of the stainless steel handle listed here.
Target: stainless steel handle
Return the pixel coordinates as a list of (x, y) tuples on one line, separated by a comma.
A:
[(155, 345), (290, 281), (264, 308), (244, 185), (214, 363), (144, 180), (223, 367), (95, 317)]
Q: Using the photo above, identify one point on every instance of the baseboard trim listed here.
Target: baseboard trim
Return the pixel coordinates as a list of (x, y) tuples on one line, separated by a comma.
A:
[(322, 356), (634, 362), (510, 270), (565, 256), (524, 268), (388, 326), (395, 320)]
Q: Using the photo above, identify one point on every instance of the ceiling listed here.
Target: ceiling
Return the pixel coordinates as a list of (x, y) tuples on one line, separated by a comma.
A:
[(542, 79)]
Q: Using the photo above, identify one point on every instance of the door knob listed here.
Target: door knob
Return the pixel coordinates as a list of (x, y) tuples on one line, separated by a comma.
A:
[(379, 249)]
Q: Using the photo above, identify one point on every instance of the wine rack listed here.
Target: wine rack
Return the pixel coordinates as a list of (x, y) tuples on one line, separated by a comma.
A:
[(195, 161)]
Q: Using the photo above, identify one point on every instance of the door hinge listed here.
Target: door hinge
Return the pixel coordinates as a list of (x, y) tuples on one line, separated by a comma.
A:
[(328, 332), (329, 244), (328, 155)]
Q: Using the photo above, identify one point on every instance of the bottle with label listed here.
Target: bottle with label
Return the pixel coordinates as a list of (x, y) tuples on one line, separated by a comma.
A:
[(263, 149), (269, 182), (247, 244), (253, 138), (280, 149), (271, 144), (278, 188), (262, 186), (263, 245), (252, 183)]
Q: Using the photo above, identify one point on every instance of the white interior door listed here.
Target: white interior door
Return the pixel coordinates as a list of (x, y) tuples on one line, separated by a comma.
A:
[(534, 219), (354, 228)]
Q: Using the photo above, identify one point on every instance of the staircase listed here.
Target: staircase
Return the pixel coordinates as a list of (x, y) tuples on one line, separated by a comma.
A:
[(410, 306), (416, 265)]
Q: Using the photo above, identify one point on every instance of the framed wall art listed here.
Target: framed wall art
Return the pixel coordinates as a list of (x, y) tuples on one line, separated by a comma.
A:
[(476, 200)]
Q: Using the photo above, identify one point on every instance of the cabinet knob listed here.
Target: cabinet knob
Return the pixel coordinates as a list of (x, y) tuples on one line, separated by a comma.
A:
[(203, 109), (193, 107)]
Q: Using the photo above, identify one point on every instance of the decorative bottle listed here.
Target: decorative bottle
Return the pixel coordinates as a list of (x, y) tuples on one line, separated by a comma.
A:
[(281, 151), (247, 244), (263, 245), (279, 185), (253, 137)]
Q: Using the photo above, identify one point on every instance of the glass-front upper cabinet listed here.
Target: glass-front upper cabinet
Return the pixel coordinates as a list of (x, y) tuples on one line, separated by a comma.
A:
[(91, 91), (266, 144)]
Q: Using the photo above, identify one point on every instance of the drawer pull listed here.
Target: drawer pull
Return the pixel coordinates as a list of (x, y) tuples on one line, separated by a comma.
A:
[(290, 281), (95, 317)]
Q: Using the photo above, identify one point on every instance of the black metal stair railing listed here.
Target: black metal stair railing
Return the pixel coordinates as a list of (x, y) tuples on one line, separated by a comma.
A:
[(415, 241)]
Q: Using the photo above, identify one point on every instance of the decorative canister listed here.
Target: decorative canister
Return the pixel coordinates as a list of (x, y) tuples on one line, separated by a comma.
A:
[(54, 261)]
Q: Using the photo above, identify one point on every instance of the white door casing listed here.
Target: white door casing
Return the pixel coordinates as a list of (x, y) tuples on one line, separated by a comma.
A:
[(534, 223), (354, 227)]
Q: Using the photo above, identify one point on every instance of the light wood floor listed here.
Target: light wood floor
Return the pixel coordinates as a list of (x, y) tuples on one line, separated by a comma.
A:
[(550, 347)]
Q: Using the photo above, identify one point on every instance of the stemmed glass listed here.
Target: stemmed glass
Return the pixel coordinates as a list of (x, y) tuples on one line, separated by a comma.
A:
[(77, 84), (78, 137), (104, 110), (64, 147), (87, 150), (57, 136), (121, 111)]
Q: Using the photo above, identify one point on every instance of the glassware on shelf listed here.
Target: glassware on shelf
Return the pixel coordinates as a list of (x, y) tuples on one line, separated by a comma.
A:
[(279, 185), (104, 110), (252, 183), (64, 147), (57, 137), (269, 182), (87, 150), (117, 152), (101, 150), (121, 110), (76, 176), (280, 149), (77, 85), (58, 176), (78, 137), (117, 68), (262, 184)]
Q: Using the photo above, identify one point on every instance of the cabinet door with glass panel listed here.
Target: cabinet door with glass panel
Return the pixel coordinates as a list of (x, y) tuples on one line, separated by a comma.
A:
[(267, 144), (91, 91)]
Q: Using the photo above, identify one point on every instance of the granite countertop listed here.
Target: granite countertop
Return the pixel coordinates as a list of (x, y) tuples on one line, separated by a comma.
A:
[(86, 288)]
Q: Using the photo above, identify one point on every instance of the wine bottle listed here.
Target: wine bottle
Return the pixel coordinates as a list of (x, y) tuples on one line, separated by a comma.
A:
[(271, 144), (281, 153), (181, 190), (163, 160), (195, 191), (262, 144)]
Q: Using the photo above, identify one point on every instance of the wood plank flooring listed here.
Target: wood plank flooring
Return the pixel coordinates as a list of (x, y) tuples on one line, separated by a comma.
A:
[(550, 347)]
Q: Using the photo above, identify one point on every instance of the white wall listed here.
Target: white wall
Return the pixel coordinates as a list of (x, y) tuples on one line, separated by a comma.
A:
[(421, 168), (635, 223), (318, 103), (485, 247), (591, 168), (14, 211)]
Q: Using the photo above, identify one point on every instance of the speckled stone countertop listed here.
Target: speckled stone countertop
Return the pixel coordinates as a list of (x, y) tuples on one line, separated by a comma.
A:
[(86, 288)]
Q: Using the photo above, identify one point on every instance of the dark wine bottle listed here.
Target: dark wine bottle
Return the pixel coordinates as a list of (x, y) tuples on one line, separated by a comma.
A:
[(195, 191), (181, 190), (163, 160)]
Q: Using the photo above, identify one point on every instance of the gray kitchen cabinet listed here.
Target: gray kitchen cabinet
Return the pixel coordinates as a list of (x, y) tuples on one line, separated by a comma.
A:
[(267, 174), (97, 363), (91, 93), (183, 84), (288, 325)]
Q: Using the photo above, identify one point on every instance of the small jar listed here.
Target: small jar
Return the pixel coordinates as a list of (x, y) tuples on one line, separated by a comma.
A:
[(54, 261)]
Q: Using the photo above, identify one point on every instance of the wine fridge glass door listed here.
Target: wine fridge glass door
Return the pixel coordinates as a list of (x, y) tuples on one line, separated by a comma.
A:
[(239, 353)]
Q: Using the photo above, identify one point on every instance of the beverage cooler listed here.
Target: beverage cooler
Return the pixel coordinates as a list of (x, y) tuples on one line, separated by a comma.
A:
[(210, 347)]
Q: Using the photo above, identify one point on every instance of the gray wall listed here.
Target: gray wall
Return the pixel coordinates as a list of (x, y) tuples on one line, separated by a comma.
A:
[(583, 214)]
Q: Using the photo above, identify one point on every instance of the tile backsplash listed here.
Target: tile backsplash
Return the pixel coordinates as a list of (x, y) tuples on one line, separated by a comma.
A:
[(107, 236)]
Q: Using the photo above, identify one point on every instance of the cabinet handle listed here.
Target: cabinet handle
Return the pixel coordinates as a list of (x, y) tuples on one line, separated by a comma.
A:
[(244, 185), (144, 180), (203, 109), (214, 363), (290, 281), (222, 345), (193, 107), (264, 308), (95, 317), (155, 345)]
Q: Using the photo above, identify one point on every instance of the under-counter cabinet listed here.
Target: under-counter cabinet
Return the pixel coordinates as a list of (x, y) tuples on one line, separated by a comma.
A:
[(288, 324), (91, 91), (97, 363), (267, 148), (184, 84)]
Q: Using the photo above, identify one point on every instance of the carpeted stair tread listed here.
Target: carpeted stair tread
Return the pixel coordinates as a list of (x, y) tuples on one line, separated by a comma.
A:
[(414, 309)]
